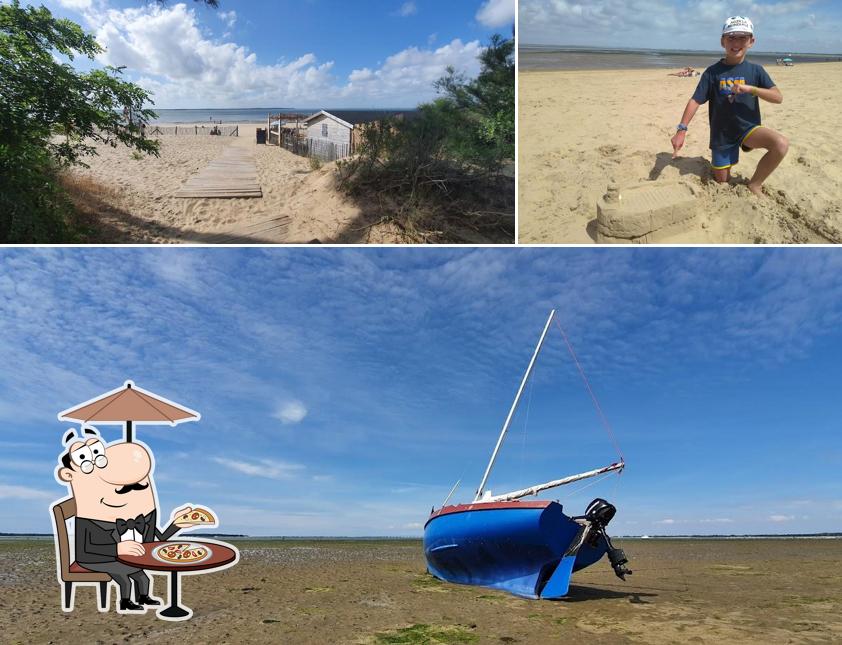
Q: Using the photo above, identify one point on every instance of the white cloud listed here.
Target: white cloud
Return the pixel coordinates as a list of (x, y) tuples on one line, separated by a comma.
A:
[(228, 17), (666, 521), (408, 9), (291, 412), (497, 13), (269, 468), (181, 270), (166, 51), (76, 5), (413, 71), (23, 465), (23, 492), (781, 518)]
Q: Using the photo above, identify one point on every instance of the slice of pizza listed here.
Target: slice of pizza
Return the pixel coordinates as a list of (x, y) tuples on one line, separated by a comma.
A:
[(196, 517)]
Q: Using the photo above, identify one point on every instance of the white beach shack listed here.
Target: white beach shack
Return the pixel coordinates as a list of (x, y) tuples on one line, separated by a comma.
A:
[(333, 135)]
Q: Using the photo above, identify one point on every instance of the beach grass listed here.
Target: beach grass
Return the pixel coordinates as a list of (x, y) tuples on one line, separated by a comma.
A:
[(426, 582), (432, 634)]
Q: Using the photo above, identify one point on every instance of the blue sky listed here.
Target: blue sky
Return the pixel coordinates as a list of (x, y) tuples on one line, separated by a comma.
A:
[(274, 53), (780, 25), (343, 392)]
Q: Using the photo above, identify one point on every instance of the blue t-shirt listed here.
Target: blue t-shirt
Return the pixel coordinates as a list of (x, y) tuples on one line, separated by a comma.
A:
[(731, 115)]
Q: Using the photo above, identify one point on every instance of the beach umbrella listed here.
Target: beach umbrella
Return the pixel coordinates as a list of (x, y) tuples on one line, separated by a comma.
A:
[(129, 405), (787, 60)]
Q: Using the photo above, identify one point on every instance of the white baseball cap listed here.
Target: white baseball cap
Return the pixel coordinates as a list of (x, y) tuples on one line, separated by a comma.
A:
[(738, 24)]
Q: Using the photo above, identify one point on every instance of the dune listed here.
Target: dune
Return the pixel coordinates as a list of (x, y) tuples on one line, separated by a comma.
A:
[(125, 197)]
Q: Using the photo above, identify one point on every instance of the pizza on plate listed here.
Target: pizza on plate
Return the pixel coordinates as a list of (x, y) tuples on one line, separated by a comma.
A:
[(196, 516), (183, 552)]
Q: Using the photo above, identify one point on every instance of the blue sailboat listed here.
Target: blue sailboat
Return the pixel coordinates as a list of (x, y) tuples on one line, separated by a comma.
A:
[(527, 548)]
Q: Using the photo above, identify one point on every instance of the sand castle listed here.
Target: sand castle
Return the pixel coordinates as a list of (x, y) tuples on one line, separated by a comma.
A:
[(644, 213)]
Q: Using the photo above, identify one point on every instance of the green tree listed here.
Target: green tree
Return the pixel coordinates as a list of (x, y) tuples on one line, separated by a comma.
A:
[(52, 116), (438, 172), (484, 108)]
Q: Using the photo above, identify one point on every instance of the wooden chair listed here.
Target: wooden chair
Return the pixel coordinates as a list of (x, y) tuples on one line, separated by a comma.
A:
[(70, 571)]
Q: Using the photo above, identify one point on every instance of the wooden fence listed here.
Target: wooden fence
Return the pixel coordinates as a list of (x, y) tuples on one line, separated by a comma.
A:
[(319, 148), (194, 130)]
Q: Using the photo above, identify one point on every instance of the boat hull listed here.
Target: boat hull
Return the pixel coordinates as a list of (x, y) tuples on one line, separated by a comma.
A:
[(518, 547)]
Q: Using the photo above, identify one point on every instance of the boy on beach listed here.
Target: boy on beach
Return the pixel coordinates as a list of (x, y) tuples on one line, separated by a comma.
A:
[(733, 87)]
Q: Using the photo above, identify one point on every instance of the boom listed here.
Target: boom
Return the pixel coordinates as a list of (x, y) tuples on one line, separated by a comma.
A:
[(534, 490)]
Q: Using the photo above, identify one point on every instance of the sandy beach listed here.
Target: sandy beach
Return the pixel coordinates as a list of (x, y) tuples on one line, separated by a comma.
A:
[(129, 198), (579, 130), (296, 591)]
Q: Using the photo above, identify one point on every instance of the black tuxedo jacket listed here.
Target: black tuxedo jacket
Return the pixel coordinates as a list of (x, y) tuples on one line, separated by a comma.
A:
[(96, 540)]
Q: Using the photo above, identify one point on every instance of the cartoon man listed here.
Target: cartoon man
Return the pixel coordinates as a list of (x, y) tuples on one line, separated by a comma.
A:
[(115, 511)]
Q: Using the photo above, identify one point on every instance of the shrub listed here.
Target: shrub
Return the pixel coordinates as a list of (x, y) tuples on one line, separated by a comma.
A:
[(52, 115), (438, 175), (33, 207)]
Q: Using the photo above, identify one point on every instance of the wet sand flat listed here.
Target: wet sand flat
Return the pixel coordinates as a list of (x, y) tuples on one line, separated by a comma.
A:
[(297, 591)]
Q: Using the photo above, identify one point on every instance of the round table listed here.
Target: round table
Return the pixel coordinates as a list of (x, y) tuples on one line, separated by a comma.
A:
[(221, 555)]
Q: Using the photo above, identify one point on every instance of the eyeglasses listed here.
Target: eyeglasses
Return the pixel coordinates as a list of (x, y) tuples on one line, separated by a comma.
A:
[(87, 466), (89, 455), (738, 36)]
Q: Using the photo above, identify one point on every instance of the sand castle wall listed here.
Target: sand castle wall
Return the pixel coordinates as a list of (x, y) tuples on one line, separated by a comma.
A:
[(646, 212)]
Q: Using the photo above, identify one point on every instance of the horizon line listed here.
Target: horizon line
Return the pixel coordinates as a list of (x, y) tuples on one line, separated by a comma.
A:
[(304, 110), (695, 51), (823, 534), (291, 108)]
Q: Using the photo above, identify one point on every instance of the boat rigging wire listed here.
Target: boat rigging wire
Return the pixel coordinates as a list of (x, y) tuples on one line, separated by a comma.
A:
[(593, 396), (450, 494), (588, 485), (525, 425)]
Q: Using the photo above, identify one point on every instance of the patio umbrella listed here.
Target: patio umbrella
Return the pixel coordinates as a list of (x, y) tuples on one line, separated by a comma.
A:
[(129, 405)]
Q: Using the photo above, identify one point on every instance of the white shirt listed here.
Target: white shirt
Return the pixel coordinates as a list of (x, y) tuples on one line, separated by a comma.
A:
[(131, 534)]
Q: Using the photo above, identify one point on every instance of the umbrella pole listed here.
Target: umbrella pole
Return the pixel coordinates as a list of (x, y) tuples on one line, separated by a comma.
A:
[(128, 431)]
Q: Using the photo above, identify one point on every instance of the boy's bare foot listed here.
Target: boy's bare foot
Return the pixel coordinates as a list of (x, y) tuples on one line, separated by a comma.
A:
[(757, 190)]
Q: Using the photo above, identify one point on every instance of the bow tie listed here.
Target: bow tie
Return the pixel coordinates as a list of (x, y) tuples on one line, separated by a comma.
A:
[(138, 524)]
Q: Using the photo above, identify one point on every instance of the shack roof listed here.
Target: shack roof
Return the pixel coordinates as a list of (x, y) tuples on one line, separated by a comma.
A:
[(355, 117)]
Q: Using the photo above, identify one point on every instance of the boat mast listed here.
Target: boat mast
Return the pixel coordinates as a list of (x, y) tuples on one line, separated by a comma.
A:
[(514, 407)]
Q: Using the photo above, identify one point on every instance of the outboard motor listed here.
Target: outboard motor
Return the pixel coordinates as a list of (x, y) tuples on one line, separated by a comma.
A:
[(599, 513)]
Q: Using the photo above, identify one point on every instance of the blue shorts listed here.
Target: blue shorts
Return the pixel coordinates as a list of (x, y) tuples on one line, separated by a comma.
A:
[(729, 155)]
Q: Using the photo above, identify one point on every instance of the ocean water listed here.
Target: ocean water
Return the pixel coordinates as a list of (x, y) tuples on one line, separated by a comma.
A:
[(236, 115), (233, 115), (549, 57)]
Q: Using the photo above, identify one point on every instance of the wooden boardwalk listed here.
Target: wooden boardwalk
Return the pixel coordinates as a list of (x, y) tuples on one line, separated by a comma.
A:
[(271, 231), (233, 174)]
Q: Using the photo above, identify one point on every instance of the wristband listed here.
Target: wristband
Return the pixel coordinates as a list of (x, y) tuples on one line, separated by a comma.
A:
[(681, 127), (754, 91)]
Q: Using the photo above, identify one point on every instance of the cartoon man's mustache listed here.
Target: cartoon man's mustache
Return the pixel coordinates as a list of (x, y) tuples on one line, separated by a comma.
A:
[(129, 487)]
